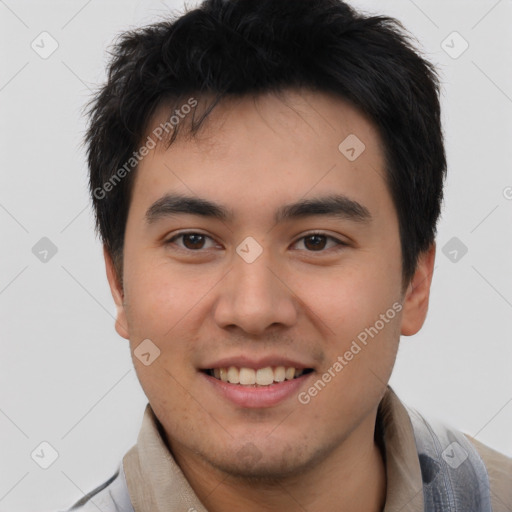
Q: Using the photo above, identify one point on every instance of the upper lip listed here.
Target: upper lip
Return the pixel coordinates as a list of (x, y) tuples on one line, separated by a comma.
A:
[(243, 361)]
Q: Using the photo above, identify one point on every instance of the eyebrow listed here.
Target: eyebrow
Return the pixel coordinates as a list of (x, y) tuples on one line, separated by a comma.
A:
[(333, 205)]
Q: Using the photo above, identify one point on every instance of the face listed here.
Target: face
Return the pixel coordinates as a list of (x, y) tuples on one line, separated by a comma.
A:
[(282, 272)]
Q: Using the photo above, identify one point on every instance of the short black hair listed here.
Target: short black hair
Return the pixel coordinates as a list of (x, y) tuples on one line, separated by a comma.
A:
[(229, 48)]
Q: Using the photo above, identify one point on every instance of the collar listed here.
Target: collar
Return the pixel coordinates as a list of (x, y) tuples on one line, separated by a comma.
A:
[(157, 484)]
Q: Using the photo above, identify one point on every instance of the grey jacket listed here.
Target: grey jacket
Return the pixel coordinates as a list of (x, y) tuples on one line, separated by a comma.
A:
[(454, 476)]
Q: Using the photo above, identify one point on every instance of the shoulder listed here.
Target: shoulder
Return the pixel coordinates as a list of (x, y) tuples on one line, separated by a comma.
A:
[(111, 495), (457, 463), (499, 468)]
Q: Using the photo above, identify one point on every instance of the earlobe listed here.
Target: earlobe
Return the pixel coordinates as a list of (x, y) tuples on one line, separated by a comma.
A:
[(415, 303), (117, 292)]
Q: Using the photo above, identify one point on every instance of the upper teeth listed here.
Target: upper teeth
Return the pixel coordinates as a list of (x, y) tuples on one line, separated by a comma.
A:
[(262, 376)]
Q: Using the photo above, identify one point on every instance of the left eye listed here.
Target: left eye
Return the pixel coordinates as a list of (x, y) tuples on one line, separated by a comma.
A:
[(316, 242)]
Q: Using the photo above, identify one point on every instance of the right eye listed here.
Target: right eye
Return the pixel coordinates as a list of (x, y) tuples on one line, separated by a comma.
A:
[(191, 240)]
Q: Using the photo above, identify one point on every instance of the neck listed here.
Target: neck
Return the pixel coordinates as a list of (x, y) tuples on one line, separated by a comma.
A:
[(351, 477)]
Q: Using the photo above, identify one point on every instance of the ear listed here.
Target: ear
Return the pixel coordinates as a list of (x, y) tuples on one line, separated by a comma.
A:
[(415, 302), (117, 294)]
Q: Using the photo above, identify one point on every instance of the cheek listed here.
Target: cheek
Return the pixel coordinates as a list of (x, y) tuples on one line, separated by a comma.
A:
[(347, 302), (169, 306), (155, 298)]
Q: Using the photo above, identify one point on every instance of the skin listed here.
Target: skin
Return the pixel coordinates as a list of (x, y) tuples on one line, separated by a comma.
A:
[(254, 156)]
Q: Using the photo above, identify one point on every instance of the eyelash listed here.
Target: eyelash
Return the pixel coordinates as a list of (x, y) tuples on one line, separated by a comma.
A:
[(339, 244)]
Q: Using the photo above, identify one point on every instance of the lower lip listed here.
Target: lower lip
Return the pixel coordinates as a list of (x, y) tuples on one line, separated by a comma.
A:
[(262, 396)]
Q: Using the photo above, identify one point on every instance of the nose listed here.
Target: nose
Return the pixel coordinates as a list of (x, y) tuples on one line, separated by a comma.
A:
[(255, 297)]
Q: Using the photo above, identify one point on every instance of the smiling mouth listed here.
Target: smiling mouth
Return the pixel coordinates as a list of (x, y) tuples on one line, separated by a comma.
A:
[(255, 378)]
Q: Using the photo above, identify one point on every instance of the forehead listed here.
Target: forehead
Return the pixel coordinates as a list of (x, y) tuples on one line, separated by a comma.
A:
[(288, 113), (266, 149)]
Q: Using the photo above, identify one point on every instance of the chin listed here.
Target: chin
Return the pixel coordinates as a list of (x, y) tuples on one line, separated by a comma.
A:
[(266, 471), (264, 464)]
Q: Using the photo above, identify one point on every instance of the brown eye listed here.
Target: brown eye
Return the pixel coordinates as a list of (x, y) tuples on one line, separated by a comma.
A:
[(193, 241), (315, 242), (320, 242), (190, 241)]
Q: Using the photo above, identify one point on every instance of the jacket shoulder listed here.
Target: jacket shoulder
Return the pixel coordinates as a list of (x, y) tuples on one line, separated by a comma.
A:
[(499, 468), (111, 495)]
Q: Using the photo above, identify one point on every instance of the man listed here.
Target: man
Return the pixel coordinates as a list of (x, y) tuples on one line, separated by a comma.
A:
[(267, 179)]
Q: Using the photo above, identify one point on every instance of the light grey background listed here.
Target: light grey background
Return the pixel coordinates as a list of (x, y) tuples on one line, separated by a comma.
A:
[(66, 376)]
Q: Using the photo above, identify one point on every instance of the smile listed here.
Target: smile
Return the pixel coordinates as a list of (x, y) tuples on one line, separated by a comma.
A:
[(257, 377)]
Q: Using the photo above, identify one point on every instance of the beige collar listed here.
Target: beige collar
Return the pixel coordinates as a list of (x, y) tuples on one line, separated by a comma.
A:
[(157, 484)]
